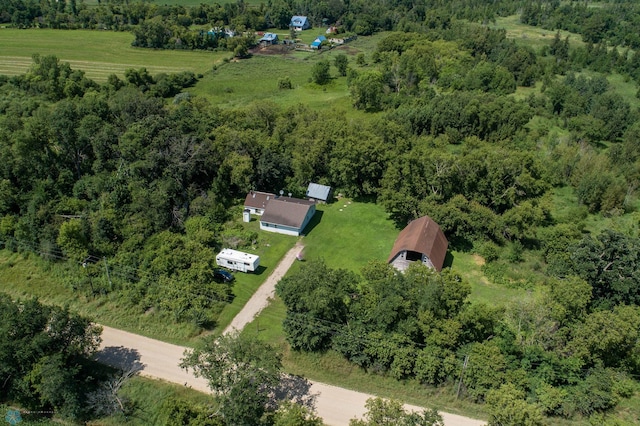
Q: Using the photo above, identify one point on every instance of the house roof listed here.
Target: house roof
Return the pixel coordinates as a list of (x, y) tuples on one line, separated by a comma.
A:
[(316, 43), (286, 211), (269, 37), (424, 236), (321, 38), (320, 192), (298, 21), (258, 200)]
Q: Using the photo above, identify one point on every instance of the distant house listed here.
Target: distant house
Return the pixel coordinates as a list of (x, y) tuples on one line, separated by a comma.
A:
[(257, 201), (287, 215), (317, 42), (421, 240), (223, 32), (269, 38), (317, 192), (300, 23)]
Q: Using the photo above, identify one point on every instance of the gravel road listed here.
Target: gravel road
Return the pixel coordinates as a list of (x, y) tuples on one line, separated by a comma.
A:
[(160, 360)]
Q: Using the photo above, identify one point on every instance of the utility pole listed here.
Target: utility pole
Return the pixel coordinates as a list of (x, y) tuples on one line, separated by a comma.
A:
[(464, 367), (106, 267)]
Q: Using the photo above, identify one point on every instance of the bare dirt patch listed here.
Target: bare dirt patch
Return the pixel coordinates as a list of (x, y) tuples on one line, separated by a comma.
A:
[(478, 260), (277, 49), (347, 50)]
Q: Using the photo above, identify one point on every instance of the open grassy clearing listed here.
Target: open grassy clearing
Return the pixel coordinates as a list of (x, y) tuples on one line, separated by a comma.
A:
[(535, 37), (567, 209), (237, 83), (98, 53), (349, 234)]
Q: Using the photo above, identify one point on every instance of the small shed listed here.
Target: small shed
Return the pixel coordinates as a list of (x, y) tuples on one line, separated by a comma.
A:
[(238, 260), (318, 192), (421, 240), (299, 23), (318, 42)]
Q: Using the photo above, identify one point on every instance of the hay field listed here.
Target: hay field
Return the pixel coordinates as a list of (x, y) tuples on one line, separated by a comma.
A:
[(98, 53)]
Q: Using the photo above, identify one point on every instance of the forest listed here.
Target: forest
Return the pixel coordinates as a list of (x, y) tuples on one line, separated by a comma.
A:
[(140, 175)]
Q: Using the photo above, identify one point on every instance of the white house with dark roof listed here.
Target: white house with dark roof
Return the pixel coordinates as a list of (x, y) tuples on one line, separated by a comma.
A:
[(257, 201), (300, 23), (287, 215), (318, 192)]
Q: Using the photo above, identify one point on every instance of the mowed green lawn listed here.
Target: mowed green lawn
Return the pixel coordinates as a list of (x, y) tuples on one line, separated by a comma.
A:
[(349, 234), (98, 53)]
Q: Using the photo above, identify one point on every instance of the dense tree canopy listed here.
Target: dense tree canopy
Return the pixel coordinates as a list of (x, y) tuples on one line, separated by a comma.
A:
[(243, 370), (45, 357)]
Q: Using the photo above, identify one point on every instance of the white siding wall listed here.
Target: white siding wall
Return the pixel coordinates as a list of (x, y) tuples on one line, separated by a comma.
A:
[(280, 229)]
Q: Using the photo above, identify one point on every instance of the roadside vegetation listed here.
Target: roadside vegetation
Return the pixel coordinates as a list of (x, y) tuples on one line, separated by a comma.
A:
[(521, 142)]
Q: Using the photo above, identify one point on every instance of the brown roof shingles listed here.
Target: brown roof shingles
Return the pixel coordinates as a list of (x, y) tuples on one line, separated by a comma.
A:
[(424, 236), (258, 200), (286, 211)]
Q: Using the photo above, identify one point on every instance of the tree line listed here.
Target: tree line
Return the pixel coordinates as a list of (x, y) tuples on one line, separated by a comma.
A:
[(46, 359), (419, 326)]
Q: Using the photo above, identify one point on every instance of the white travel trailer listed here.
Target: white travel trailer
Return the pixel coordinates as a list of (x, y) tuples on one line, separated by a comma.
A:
[(238, 260)]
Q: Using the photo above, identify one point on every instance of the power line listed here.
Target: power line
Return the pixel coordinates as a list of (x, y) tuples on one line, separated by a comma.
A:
[(134, 274)]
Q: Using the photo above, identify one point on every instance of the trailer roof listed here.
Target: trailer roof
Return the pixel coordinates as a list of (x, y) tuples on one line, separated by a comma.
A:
[(238, 255)]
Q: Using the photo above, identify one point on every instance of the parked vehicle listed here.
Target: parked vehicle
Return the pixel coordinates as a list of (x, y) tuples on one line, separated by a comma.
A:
[(237, 260), (222, 276)]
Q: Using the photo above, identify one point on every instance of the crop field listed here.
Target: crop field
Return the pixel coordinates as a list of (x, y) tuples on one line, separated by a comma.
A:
[(98, 53)]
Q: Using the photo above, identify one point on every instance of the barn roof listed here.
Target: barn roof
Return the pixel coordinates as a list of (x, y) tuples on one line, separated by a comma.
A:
[(258, 200), (424, 236), (286, 211), (319, 192)]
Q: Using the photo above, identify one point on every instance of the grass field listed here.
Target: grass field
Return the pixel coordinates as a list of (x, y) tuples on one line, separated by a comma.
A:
[(237, 83), (349, 234), (98, 53), (535, 37)]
